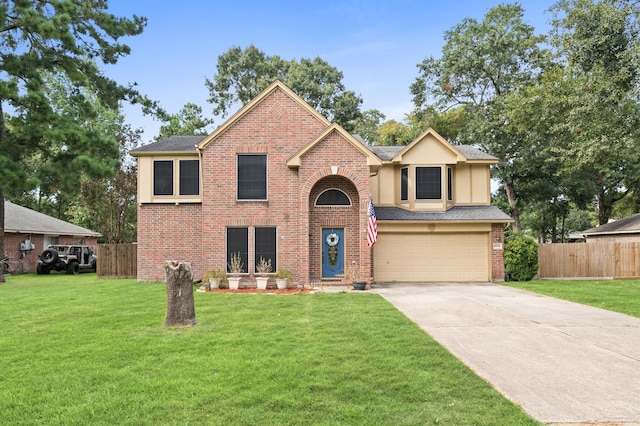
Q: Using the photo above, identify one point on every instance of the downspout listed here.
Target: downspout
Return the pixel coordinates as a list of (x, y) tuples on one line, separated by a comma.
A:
[(201, 190)]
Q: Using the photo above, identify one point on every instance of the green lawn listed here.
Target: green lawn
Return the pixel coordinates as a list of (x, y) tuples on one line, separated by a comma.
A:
[(614, 295), (77, 350)]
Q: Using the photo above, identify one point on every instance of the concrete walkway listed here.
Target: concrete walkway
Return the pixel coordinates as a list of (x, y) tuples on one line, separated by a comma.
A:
[(562, 362)]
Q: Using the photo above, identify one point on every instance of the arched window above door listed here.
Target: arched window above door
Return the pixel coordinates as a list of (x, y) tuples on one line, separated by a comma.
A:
[(333, 197)]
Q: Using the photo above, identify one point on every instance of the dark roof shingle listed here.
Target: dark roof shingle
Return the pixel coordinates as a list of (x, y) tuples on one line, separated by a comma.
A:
[(172, 144), (625, 225), (458, 213)]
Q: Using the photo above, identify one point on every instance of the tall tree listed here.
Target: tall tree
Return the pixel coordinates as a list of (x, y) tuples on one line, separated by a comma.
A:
[(68, 37), (482, 62), (242, 74), (188, 121), (599, 44), (367, 125)]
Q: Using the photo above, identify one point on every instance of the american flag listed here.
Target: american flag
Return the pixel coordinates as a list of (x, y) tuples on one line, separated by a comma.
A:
[(372, 226)]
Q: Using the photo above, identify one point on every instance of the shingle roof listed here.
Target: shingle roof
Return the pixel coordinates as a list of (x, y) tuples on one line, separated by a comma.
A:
[(27, 221), (458, 213), (173, 144), (473, 153), (386, 153), (629, 224), (186, 143)]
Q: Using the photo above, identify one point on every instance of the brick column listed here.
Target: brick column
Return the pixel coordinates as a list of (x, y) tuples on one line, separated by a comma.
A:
[(497, 249)]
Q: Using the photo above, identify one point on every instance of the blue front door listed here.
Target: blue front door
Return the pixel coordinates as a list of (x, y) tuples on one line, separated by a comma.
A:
[(332, 252)]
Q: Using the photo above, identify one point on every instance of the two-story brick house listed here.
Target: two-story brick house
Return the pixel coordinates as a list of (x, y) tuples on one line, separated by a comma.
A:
[(278, 180)]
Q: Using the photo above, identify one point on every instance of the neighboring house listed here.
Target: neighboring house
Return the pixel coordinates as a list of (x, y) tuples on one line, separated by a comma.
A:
[(28, 232), (619, 231), (278, 180)]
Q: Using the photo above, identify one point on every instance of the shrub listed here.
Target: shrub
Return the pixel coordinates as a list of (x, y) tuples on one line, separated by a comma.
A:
[(520, 257)]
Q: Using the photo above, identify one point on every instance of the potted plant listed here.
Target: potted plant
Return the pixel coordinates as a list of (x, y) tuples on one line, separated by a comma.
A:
[(353, 274), (215, 277), (236, 267), (283, 278), (263, 267)]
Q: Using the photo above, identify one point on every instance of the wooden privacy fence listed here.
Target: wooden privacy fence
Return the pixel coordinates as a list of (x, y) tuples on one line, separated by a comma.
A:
[(117, 260), (589, 260)]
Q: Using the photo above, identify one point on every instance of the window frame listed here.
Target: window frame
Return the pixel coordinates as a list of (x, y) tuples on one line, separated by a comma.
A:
[(239, 180), (272, 250), (449, 183), (182, 189), (175, 167), (404, 184), (156, 182), (427, 189), (350, 203), (235, 245)]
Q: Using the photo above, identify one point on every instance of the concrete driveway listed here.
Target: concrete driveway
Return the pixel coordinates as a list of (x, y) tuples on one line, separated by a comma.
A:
[(562, 362)]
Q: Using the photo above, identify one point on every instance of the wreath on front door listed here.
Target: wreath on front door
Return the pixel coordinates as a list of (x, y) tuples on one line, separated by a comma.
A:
[(332, 241)]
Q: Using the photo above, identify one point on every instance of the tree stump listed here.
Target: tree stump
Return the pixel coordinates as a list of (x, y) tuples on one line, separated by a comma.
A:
[(181, 311)]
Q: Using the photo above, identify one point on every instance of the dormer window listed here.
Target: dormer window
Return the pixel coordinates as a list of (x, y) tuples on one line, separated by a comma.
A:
[(428, 183), (404, 184)]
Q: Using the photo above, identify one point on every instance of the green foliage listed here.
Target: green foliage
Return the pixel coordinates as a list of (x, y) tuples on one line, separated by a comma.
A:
[(46, 143), (598, 44), (243, 74), (103, 357), (189, 121), (520, 257), (482, 63), (366, 126)]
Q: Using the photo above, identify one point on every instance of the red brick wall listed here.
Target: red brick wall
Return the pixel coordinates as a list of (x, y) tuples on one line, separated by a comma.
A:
[(278, 127), (497, 259), (351, 176), (168, 232)]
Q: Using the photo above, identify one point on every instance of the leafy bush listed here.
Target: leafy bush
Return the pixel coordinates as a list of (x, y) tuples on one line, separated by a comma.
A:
[(520, 257)]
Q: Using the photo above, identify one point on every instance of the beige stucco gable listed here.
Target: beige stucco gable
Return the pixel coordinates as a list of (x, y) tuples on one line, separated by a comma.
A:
[(429, 148), (372, 160), (276, 85)]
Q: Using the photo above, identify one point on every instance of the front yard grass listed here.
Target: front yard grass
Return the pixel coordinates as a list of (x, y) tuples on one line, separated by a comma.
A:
[(621, 296), (78, 350)]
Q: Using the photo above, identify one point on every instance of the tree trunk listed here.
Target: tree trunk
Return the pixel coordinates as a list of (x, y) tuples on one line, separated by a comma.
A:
[(181, 311), (513, 203)]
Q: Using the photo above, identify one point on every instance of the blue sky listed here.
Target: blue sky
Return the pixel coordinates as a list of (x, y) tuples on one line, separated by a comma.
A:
[(376, 44)]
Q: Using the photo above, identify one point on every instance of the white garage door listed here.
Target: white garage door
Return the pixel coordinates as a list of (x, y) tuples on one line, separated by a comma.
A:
[(432, 257)]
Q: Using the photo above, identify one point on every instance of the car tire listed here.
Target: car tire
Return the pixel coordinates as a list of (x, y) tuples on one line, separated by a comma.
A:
[(73, 268), (42, 270), (49, 256)]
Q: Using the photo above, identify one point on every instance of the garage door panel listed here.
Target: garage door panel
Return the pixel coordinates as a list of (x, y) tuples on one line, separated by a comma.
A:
[(432, 257)]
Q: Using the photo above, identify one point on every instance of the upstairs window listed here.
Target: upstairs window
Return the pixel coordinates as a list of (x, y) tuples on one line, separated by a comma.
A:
[(252, 177), (449, 184), (188, 173), (428, 183), (163, 177), (189, 177), (404, 184), (333, 197)]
